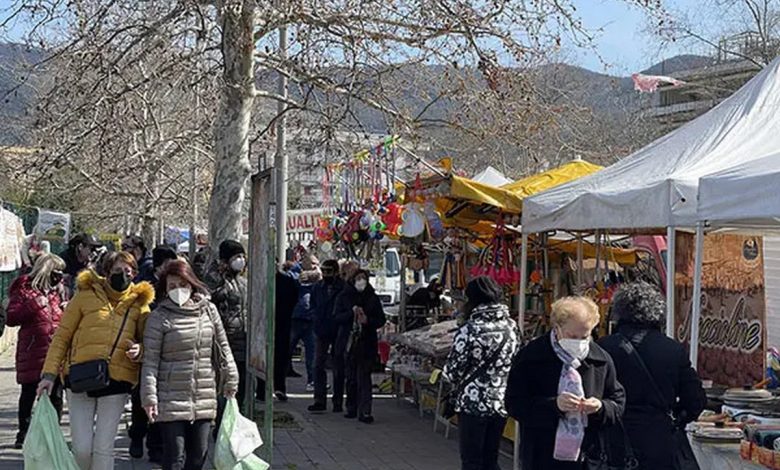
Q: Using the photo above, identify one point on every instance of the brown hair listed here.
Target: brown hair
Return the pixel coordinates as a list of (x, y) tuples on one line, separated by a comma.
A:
[(109, 260), (183, 270)]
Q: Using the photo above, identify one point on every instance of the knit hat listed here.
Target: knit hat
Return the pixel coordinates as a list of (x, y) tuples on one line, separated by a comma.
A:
[(229, 249), (162, 254), (483, 291)]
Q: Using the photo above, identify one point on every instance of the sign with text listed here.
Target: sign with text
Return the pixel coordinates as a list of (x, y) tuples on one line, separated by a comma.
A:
[(298, 221), (733, 316)]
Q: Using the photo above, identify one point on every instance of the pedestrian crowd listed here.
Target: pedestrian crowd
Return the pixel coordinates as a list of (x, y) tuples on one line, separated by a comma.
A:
[(107, 327), (620, 402)]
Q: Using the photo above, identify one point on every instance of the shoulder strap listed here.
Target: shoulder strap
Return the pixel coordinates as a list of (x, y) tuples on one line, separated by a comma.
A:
[(629, 347), (484, 366), (119, 335)]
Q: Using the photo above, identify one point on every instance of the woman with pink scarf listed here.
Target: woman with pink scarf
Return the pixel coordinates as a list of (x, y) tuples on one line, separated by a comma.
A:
[(563, 390)]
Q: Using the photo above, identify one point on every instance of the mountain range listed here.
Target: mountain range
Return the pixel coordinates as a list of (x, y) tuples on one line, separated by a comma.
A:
[(603, 93)]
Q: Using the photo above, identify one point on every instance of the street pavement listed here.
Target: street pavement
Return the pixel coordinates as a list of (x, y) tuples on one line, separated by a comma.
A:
[(398, 440)]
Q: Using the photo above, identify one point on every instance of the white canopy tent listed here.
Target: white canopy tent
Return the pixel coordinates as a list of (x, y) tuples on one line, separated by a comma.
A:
[(657, 186), (745, 197), (492, 177)]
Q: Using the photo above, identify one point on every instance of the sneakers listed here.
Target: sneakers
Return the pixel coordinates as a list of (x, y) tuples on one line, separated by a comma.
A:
[(318, 408), (366, 419), (281, 396), (309, 387), (137, 448)]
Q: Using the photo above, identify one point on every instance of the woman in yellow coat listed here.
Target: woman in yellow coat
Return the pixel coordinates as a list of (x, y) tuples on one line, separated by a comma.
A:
[(93, 322)]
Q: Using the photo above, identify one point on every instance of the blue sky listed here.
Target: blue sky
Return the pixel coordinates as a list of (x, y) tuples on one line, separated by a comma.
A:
[(622, 43)]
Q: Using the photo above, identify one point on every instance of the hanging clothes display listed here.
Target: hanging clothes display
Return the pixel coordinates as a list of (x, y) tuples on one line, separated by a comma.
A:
[(11, 241)]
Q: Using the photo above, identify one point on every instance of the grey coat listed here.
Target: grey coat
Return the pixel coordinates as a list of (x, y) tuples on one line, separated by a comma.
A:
[(183, 349)]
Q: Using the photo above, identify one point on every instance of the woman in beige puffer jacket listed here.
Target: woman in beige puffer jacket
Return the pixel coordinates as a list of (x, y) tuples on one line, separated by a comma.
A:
[(185, 345)]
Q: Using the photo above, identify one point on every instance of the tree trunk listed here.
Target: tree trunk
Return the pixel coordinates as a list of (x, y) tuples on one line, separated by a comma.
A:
[(232, 168)]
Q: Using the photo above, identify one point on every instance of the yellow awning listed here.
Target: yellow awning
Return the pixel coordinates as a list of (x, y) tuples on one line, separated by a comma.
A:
[(549, 179), (458, 189)]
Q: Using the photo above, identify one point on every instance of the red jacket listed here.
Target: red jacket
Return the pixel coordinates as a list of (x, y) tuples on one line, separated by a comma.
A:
[(38, 315)]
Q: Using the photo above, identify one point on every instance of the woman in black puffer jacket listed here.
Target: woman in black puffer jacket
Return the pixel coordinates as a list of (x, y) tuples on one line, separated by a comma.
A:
[(359, 306)]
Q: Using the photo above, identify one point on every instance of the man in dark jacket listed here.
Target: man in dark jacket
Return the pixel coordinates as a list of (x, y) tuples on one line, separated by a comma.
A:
[(77, 256), (286, 299), (359, 305), (331, 337), (135, 245), (140, 427), (674, 386)]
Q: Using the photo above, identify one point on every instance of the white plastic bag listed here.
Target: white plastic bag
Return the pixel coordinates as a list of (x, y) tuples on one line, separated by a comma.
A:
[(236, 442)]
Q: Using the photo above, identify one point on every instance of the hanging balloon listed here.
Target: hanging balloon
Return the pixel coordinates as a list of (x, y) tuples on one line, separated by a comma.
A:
[(326, 247), (392, 218), (433, 219), (413, 220)]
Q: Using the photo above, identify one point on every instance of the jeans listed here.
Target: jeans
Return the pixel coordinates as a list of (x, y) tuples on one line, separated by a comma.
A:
[(27, 401), (140, 427), (94, 423), (480, 438), (359, 387), (338, 347), (303, 330), (185, 444)]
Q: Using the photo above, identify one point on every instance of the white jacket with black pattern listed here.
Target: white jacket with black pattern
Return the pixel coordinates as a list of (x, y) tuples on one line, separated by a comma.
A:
[(476, 343)]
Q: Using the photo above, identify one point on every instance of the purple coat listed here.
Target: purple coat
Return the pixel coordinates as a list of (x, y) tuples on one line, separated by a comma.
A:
[(38, 316)]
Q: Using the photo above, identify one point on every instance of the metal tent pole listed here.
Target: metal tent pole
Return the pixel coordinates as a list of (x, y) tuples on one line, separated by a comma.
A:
[(696, 307), (520, 324), (671, 242)]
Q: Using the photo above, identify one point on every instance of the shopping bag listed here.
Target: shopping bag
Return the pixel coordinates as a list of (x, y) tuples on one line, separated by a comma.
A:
[(45, 447), (236, 442)]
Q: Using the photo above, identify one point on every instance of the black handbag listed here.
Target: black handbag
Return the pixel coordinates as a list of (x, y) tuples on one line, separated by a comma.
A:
[(683, 456), (91, 376), (602, 461), (450, 400)]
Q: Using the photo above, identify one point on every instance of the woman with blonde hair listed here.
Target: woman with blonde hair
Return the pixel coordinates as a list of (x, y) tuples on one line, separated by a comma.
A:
[(35, 305), (98, 350), (563, 390)]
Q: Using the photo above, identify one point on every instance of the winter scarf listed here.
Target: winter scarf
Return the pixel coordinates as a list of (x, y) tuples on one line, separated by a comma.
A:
[(571, 428)]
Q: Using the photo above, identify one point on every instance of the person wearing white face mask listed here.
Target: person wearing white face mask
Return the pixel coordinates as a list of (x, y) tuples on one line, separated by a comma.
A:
[(358, 311), (563, 389), (186, 351)]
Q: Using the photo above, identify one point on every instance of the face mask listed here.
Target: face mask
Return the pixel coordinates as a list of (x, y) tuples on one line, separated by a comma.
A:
[(180, 295), (361, 285), (577, 348), (119, 281), (238, 264), (55, 278)]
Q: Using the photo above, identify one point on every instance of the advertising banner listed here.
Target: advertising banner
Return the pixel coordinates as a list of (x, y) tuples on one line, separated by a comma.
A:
[(732, 327)]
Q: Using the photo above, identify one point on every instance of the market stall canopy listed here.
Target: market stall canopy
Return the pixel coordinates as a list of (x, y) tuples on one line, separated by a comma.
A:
[(565, 173), (745, 196), (492, 177), (658, 185), (463, 190)]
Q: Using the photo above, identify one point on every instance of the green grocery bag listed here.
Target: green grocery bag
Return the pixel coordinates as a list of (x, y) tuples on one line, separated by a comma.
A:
[(236, 442), (45, 447)]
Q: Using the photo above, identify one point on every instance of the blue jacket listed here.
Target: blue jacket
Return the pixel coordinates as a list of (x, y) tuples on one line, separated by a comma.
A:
[(323, 301), (303, 309)]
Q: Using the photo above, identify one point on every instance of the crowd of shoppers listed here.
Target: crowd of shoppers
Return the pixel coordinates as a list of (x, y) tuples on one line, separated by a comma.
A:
[(177, 344)]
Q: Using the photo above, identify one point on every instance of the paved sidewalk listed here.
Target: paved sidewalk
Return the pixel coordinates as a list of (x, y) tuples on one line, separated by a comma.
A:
[(399, 440)]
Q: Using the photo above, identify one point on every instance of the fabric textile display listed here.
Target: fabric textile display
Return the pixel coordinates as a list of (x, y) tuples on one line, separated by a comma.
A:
[(11, 241)]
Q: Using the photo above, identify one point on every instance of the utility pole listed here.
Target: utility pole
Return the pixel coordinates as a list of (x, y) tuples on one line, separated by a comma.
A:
[(280, 162)]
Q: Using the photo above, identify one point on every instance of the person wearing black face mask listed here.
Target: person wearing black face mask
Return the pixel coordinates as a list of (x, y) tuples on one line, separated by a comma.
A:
[(323, 299), (35, 305)]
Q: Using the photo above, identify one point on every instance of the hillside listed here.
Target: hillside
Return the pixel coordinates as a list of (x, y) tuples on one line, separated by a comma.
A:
[(16, 92)]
